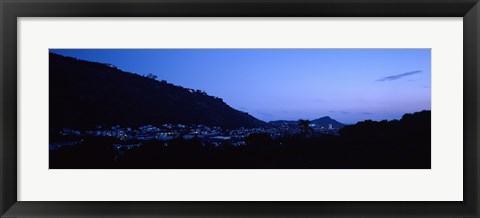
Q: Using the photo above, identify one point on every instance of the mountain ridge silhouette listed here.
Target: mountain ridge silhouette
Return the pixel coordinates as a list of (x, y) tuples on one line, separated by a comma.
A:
[(84, 94)]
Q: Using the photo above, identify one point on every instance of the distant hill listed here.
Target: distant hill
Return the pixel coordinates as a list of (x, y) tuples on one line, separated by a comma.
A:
[(84, 94), (320, 122), (325, 121)]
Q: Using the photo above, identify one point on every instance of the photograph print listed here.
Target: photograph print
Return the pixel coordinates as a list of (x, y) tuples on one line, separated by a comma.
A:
[(257, 108)]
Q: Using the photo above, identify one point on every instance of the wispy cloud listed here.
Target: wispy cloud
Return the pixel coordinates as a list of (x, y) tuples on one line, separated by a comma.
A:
[(398, 76)]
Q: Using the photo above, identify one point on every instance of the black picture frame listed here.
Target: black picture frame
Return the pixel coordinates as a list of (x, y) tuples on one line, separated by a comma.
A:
[(10, 10)]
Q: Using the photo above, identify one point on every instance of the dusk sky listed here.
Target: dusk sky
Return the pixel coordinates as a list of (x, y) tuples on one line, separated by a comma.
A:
[(349, 85)]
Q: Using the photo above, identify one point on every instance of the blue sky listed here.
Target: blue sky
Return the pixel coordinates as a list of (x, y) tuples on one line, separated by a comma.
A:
[(349, 85)]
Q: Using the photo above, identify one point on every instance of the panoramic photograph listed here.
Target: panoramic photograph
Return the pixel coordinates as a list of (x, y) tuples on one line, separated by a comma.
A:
[(256, 108)]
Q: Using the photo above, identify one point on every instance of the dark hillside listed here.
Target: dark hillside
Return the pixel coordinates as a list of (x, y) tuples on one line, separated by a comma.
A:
[(84, 94)]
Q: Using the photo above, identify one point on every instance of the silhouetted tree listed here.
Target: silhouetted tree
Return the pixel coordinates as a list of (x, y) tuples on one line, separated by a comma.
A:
[(151, 76), (305, 126)]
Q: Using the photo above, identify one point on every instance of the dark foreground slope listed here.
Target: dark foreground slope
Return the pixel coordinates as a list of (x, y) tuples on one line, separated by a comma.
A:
[(84, 94), (404, 144)]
